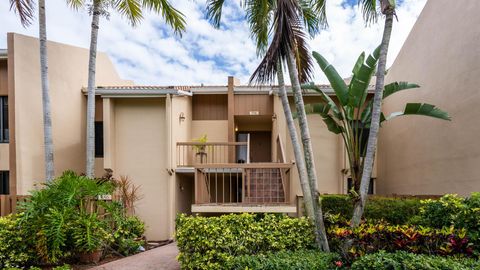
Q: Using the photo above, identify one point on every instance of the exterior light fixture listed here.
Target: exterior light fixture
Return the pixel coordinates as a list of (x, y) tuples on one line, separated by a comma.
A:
[(181, 117), (274, 117)]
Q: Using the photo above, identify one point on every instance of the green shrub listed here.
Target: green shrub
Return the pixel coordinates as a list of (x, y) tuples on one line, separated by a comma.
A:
[(14, 248), (408, 261), (288, 260), (53, 212), (451, 210), (212, 242), (126, 231), (442, 212), (391, 210), (371, 238)]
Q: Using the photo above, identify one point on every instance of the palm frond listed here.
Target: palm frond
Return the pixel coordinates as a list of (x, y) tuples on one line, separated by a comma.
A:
[(288, 36), (314, 15), (170, 14), (259, 16), (369, 10), (214, 12), (131, 9), (76, 4), (24, 9)]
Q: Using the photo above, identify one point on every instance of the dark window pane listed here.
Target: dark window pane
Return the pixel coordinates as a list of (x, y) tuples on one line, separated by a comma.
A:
[(4, 120), (4, 182), (98, 139)]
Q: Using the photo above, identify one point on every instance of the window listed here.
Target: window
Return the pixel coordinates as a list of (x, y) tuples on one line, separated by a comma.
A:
[(4, 182), (370, 187), (99, 139), (4, 137)]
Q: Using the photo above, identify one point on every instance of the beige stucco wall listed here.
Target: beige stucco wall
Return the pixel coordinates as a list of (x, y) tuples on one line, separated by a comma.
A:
[(327, 149), (4, 157), (140, 153), (419, 155), (68, 68)]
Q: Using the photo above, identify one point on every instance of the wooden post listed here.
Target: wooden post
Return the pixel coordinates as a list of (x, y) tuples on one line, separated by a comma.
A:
[(231, 118)]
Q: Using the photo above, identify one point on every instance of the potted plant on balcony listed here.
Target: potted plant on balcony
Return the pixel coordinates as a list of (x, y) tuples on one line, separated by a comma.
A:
[(201, 147), (90, 236)]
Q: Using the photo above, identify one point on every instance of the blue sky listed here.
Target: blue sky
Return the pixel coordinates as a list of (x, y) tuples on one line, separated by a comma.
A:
[(151, 54)]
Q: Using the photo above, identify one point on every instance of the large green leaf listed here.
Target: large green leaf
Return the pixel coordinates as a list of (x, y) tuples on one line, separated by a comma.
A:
[(421, 109), (362, 74), (337, 83), (323, 110), (326, 98), (395, 87)]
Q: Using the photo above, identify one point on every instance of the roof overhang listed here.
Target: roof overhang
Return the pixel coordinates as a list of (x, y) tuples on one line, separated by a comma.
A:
[(137, 92)]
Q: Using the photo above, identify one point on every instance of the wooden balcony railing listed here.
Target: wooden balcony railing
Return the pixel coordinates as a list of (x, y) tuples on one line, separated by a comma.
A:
[(191, 154), (256, 183)]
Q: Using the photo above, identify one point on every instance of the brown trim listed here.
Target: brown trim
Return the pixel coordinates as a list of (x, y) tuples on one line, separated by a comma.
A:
[(11, 115), (231, 119), (266, 165)]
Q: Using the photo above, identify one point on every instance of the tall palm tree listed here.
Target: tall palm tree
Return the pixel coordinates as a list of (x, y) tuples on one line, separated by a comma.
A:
[(132, 10), (369, 8), (287, 19), (25, 9)]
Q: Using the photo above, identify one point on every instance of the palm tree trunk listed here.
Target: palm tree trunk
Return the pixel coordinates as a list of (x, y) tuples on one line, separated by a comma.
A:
[(297, 148), (47, 116), (375, 124), (308, 151), (90, 164)]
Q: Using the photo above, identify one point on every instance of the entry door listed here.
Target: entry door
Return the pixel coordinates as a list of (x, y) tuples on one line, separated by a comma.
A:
[(260, 146)]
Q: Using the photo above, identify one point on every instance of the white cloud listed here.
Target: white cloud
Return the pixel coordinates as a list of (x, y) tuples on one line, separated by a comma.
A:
[(150, 54)]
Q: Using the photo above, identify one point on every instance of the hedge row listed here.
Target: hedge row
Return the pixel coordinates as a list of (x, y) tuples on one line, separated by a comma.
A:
[(212, 242), (391, 210), (288, 260), (316, 260), (408, 261), (371, 238)]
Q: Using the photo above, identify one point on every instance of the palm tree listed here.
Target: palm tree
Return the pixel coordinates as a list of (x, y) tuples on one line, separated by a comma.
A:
[(351, 115), (287, 19), (132, 10), (369, 8)]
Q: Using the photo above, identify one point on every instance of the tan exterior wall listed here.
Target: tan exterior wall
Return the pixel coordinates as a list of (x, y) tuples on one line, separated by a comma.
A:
[(140, 147), (68, 68), (419, 155), (216, 130), (4, 157)]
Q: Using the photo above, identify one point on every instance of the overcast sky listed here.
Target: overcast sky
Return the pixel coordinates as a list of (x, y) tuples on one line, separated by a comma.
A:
[(150, 54)]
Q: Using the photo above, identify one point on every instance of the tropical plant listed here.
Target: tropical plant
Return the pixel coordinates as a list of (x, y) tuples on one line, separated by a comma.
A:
[(89, 232), (352, 116), (132, 10), (369, 9), (287, 20), (49, 214), (128, 193)]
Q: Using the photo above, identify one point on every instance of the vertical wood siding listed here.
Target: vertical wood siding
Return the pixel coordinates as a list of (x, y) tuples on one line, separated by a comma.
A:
[(244, 104), (210, 107)]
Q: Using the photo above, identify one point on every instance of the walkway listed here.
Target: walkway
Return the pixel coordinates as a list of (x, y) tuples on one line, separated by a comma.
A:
[(161, 258)]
